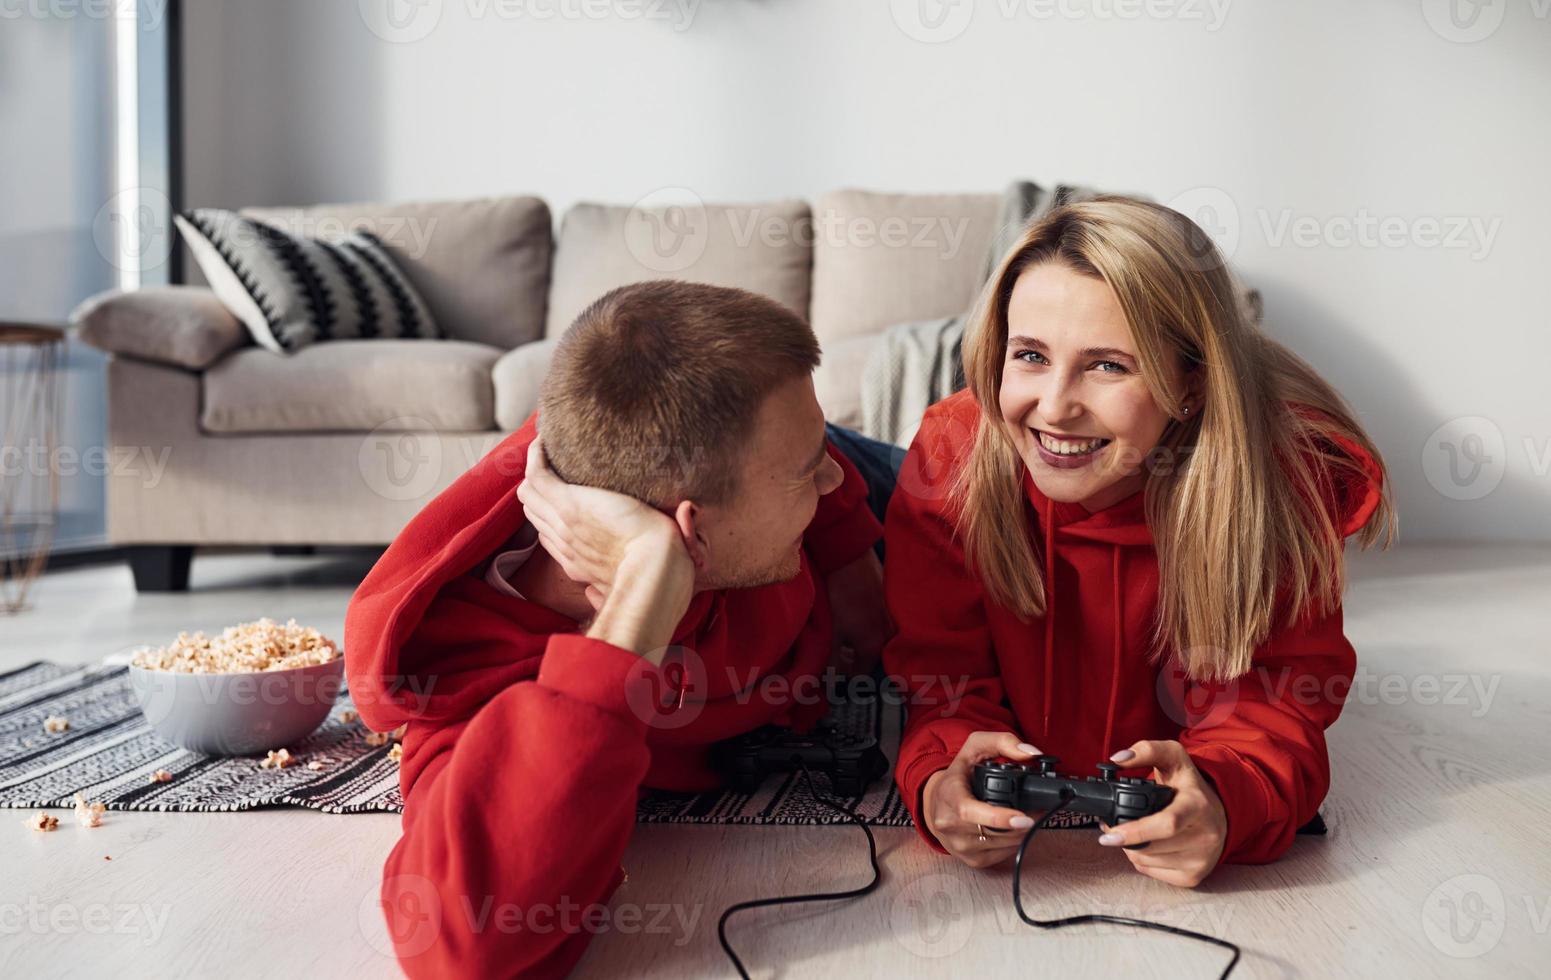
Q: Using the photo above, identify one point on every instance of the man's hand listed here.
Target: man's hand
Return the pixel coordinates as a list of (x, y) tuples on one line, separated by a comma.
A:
[(955, 817), (861, 619), (588, 531), (631, 558), (647, 601), (1186, 837)]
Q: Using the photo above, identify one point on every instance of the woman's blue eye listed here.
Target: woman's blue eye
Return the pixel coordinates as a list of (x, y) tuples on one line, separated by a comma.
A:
[(1118, 368), (1022, 355)]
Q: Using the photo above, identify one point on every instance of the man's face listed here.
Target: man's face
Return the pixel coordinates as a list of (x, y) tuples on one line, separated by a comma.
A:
[(755, 537)]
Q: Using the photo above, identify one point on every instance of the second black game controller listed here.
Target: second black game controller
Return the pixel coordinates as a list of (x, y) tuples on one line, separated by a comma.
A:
[(850, 761), (1036, 787)]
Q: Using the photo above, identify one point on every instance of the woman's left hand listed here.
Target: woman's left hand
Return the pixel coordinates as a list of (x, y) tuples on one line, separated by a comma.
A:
[(1185, 838)]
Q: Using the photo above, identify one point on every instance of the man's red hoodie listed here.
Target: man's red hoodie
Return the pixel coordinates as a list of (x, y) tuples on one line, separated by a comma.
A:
[(1076, 682), (526, 743)]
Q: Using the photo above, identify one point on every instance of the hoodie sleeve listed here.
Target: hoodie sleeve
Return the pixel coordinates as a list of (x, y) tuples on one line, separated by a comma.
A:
[(1260, 739), (943, 633), (843, 527), (516, 819)]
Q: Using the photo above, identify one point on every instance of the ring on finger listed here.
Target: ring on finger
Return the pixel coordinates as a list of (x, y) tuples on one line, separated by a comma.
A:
[(983, 837)]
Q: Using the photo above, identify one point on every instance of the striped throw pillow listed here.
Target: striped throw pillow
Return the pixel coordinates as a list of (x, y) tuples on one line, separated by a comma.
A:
[(291, 291)]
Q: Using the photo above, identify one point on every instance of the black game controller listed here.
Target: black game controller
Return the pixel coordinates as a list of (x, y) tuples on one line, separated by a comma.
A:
[(1037, 787), (850, 761)]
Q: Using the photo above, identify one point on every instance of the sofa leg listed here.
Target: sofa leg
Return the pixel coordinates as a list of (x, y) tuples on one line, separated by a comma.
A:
[(160, 567)]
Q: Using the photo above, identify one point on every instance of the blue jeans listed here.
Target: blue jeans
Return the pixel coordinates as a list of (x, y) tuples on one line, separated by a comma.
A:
[(879, 465)]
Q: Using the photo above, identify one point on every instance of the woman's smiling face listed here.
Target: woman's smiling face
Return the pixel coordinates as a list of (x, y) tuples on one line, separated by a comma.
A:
[(1072, 394)]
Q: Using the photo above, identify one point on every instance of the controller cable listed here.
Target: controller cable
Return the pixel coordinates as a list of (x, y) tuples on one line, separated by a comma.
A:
[(867, 889), (1076, 920), (1017, 893)]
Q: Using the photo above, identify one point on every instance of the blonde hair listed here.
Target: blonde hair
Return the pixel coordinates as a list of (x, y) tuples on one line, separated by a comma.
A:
[(1242, 520)]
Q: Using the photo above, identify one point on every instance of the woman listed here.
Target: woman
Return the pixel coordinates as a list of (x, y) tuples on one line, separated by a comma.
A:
[(1124, 542)]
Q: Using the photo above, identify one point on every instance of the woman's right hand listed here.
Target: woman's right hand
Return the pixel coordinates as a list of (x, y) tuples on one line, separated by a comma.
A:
[(955, 817)]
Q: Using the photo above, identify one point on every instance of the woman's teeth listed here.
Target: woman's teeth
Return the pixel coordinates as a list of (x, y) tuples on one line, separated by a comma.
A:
[(1068, 447)]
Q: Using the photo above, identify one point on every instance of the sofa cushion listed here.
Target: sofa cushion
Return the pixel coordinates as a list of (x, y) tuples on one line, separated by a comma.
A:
[(294, 290), (882, 259), (179, 325), (353, 386), (764, 248), (482, 266)]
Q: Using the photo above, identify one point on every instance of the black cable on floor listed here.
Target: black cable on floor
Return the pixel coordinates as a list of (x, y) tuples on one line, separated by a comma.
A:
[(1017, 901), (872, 856)]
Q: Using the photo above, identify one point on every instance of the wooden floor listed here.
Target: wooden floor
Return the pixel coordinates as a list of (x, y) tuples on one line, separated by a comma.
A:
[(1438, 861)]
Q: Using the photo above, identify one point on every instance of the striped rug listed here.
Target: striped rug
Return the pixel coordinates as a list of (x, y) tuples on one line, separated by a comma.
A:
[(109, 753)]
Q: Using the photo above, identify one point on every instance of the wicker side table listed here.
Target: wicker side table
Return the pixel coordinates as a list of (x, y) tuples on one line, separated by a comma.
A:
[(31, 404)]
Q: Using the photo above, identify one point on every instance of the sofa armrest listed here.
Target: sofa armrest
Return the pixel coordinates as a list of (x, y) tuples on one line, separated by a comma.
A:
[(180, 325), (518, 378)]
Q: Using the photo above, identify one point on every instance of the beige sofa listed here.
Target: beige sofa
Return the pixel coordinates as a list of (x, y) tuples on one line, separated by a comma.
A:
[(342, 442)]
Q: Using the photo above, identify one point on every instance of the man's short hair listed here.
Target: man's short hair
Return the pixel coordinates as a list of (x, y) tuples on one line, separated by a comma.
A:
[(655, 389)]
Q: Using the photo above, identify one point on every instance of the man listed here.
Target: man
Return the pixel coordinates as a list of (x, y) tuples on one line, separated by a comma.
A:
[(549, 661)]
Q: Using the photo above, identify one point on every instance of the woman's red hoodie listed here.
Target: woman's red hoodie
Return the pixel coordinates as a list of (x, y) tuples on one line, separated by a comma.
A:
[(1076, 682), (526, 743)]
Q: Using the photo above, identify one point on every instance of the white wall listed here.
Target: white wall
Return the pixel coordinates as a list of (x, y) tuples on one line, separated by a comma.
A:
[(1284, 112)]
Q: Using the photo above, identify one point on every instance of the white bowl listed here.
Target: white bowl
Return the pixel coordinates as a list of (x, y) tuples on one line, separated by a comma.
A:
[(238, 714)]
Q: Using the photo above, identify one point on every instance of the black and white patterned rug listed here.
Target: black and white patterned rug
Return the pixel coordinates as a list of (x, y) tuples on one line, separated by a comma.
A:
[(109, 753)]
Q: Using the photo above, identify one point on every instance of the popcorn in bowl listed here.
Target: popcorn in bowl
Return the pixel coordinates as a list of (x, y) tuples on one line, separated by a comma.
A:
[(263, 645), (252, 688)]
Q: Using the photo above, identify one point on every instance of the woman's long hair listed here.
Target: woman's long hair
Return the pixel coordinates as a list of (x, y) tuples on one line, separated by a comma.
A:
[(1241, 514)]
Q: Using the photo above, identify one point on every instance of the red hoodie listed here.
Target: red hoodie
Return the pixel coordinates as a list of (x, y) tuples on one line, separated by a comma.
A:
[(1077, 682), (527, 743)]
